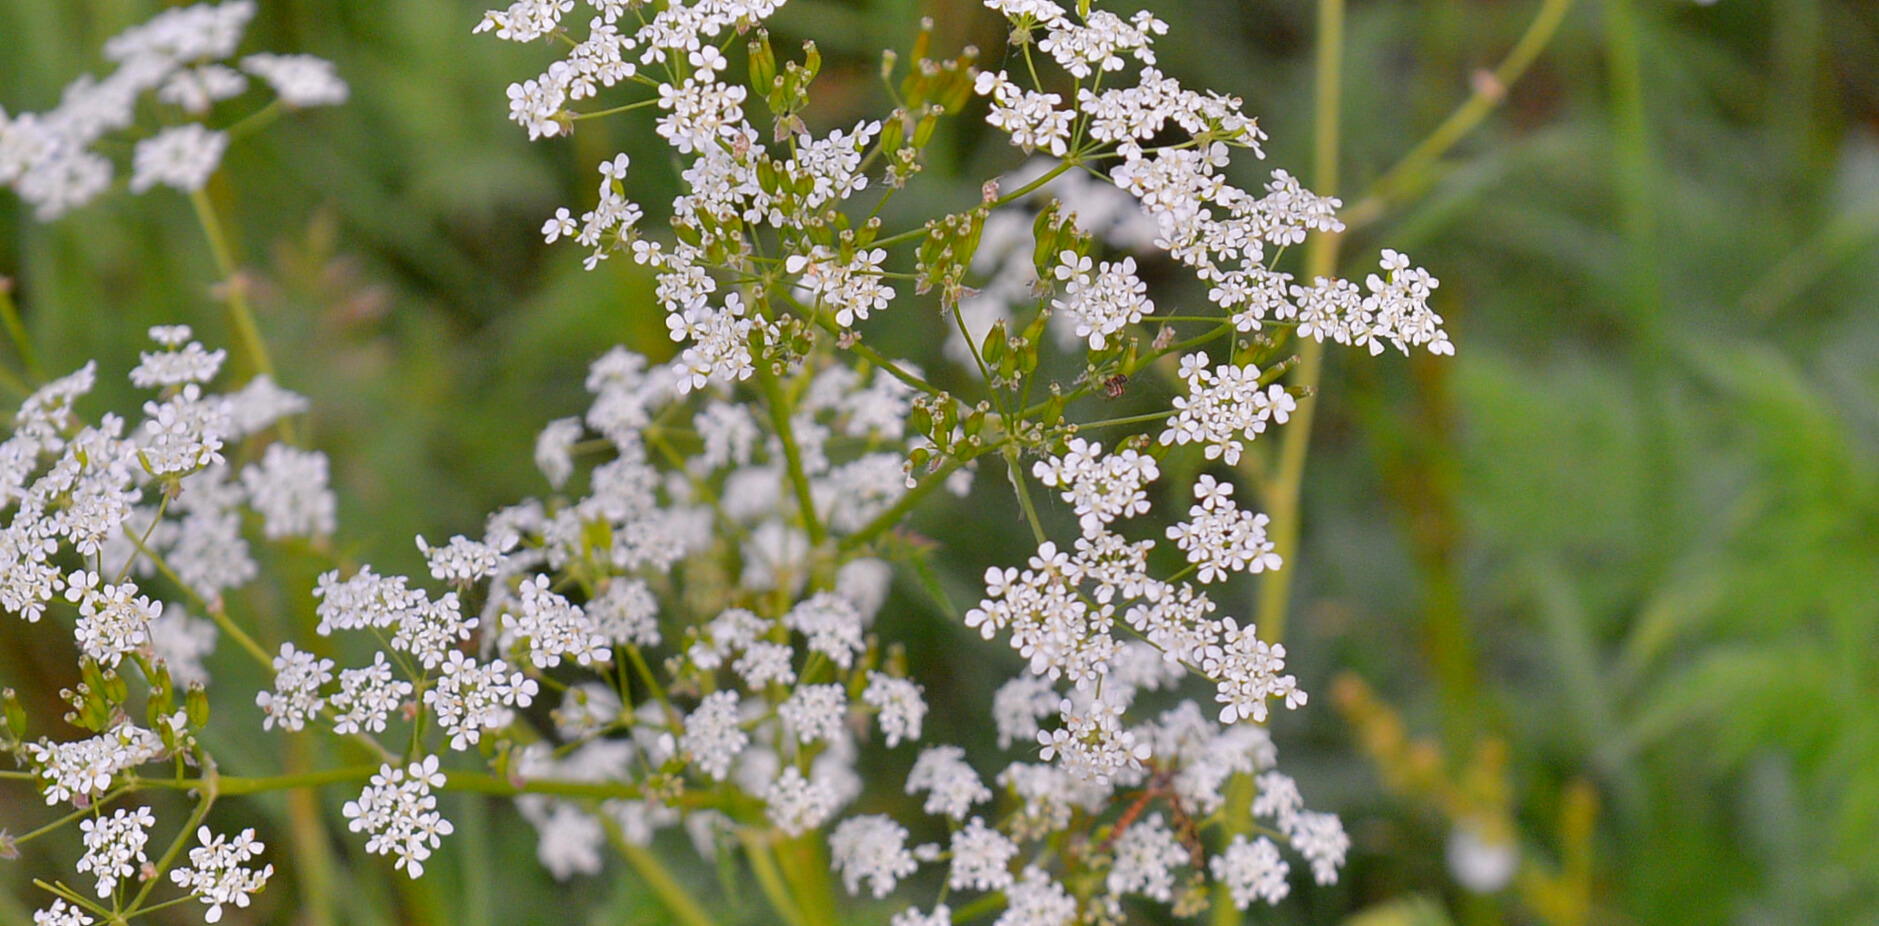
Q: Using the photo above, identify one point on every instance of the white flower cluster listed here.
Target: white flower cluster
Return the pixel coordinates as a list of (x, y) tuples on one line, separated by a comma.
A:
[(114, 847), (218, 873), (182, 57), (1219, 230), (96, 489), (400, 812)]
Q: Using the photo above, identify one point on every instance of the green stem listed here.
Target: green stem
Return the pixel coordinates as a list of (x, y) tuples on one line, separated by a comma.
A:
[(255, 121), (972, 911), (1282, 503), (1062, 167), (1321, 255), (806, 865), (74, 815), (240, 636), (886, 520), (209, 788), (792, 454), (10, 315), (1015, 470), (629, 107), (677, 900), (240, 315), (229, 784), (1412, 174), (763, 865)]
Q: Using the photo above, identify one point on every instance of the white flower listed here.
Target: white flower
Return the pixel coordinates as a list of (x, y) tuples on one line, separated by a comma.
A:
[(1251, 871), (1246, 673), (1037, 900), (182, 157), (1220, 538), (712, 736), (113, 621), (1147, 854), (1104, 304), (462, 560), (85, 768), (301, 81), (871, 848), (191, 364), (981, 858), (797, 804), (59, 914), (815, 712), (366, 600), (831, 623), (942, 915), (289, 490), (951, 784), (765, 663), (183, 434), (114, 847), (218, 872), (552, 627), (900, 705), (554, 449), (430, 630), (470, 698), (626, 613), (1102, 487), (298, 677), (367, 697), (400, 812)]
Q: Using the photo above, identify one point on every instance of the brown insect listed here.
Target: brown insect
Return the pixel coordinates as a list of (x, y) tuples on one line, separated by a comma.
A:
[(1115, 386)]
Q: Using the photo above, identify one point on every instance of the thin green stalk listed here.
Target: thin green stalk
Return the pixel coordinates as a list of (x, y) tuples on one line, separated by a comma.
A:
[(763, 865), (1282, 502), (1015, 470), (806, 864), (972, 911), (1321, 255), (220, 617), (255, 121), (1007, 199), (307, 832), (68, 818), (1413, 173), (886, 520), (240, 315), (629, 107), (677, 900), (209, 789), (232, 784), (792, 454), (10, 315)]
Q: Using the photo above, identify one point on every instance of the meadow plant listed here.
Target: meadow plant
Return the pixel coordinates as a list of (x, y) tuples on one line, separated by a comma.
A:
[(680, 634)]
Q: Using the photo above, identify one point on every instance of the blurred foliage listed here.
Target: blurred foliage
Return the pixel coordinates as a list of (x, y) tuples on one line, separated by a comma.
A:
[(1630, 534)]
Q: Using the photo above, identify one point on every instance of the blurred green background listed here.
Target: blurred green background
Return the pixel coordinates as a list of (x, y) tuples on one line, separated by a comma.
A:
[(1616, 563)]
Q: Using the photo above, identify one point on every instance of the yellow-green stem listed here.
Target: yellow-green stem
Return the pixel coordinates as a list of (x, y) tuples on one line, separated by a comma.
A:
[(677, 900), (307, 830), (1282, 502), (10, 315), (1412, 174), (235, 290), (757, 846), (1321, 254), (774, 397)]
